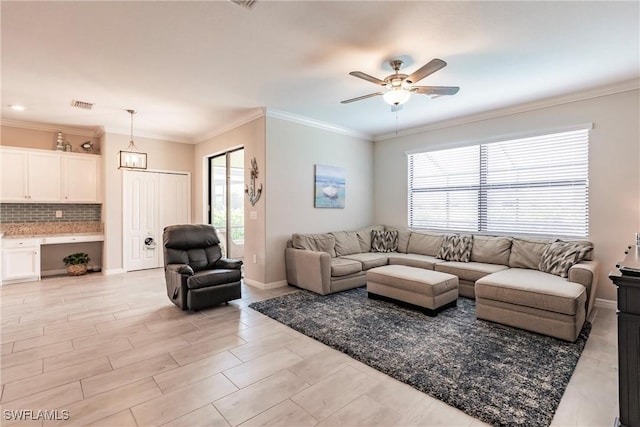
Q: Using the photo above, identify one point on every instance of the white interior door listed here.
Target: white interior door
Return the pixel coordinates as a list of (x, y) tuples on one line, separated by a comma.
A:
[(151, 201)]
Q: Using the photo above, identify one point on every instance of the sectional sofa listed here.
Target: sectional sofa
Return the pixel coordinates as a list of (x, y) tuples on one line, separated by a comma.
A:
[(502, 273)]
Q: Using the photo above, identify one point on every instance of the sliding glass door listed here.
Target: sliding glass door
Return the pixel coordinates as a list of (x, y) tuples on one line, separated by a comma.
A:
[(226, 200)]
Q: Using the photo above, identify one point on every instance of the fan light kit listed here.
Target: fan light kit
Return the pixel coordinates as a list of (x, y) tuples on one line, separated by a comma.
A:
[(399, 87)]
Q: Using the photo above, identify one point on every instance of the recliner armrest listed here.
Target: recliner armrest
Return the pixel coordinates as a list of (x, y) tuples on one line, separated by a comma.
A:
[(184, 269), (233, 264)]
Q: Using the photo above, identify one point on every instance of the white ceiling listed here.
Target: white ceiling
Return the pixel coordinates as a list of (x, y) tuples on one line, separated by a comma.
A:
[(191, 68)]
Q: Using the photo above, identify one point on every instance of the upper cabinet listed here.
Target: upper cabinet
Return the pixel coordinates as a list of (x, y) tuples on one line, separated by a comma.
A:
[(42, 176), (81, 178)]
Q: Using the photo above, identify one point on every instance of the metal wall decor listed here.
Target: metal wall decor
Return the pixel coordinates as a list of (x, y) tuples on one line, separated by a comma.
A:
[(251, 191)]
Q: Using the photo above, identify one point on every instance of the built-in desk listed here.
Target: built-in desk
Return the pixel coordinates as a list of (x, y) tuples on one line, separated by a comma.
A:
[(627, 278), (22, 256)]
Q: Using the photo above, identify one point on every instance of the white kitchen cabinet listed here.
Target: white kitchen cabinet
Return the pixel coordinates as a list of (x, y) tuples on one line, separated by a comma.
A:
[(30, 176), (20, 259), (42, 176), (81, 178)]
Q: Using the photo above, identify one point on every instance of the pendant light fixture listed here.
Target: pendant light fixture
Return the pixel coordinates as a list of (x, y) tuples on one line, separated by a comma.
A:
[(132, 158)]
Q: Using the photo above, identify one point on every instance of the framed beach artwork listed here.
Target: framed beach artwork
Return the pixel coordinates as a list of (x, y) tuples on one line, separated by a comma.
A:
[(330, 186)]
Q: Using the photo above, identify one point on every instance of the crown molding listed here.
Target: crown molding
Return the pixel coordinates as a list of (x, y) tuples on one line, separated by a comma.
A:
[(612, 89), (277, 114), (146, 135), (253, 114), (89, 132)]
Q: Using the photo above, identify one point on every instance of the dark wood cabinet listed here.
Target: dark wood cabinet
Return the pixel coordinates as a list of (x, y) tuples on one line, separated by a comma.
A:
[(627, 279)]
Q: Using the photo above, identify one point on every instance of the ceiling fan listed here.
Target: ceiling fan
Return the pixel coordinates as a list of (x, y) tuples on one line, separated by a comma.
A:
[(397, 87)]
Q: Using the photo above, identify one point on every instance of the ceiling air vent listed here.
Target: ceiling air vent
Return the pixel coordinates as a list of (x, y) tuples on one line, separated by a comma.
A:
[(81, 104), (249, 4)]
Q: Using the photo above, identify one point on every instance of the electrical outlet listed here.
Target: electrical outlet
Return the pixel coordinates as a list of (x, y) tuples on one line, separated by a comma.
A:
[(253, 215), (255, 258), (58, 214)]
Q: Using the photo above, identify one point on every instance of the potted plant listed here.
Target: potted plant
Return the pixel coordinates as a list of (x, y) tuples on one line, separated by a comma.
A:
[(76, 263)]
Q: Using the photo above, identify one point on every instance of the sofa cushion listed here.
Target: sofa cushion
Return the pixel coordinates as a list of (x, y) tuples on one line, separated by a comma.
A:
[(364, 237), (368, 259), (532, 288), (315, 242), (469, 271), (403, 238), (384, 241), (346, 242), (492, 250), (424, 243), (559, 257), (527, 253), (344, 267), (413, 260), (456, 247)]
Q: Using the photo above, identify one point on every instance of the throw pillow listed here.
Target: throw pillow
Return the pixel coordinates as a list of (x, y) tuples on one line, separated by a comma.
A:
[(456, 247), (384, 241), (560, 256)]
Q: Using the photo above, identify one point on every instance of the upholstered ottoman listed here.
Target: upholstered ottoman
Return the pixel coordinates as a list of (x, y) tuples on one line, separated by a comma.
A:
[(532, 300), (428, 290)]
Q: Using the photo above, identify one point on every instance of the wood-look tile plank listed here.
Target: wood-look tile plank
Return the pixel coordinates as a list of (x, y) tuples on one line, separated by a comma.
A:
[(105, 338), (207, 416), (103, 405), (53, 328), (181, 401), (215, 330), (206, 348), (144, 338), (10, 334), (30, 343), (23, 370), (248, 402), (263, 346), (123, 323), (126, 375), (138, 354), (97, 312), (38, 383), (57, 397), (19, 357), (261, 367), (6, 348), (121, 419), (59, 361), (194, 372), (286, 413)]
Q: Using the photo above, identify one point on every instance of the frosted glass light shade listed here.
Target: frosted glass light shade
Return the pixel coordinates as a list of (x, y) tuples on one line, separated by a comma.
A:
[(133, 160), (396, 96)]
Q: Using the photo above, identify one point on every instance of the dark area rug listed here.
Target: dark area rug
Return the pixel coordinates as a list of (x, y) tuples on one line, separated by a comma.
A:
[(501, 375)]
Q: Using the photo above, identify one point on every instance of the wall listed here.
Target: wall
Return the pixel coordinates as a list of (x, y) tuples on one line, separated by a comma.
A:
[(161, 155), (614, 165), (46, 139), (293, 150), (251, 136)]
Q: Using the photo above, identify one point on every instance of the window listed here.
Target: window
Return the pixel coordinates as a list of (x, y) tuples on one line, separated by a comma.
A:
[(535, 186)]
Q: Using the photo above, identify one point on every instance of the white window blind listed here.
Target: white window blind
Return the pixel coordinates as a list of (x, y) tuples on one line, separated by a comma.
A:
[(535, 186)]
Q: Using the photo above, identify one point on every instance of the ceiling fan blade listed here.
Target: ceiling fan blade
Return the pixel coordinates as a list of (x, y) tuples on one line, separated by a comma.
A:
[(429, 68), (368, 78), (346, 101), (435, 90)]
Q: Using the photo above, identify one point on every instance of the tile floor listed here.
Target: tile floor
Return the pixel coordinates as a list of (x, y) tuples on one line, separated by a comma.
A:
[(113, 351)]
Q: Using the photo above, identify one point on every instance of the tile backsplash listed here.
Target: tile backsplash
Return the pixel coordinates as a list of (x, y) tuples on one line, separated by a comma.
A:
[(11, 213)]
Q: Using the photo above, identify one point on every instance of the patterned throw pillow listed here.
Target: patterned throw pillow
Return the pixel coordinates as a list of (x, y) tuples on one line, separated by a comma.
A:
[(560, 256), (456, 247), (384, 241)]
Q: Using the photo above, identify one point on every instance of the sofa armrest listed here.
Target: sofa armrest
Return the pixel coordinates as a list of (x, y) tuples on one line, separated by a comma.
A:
[(308, 269), (586, 273), (232, 264), (183, 269)]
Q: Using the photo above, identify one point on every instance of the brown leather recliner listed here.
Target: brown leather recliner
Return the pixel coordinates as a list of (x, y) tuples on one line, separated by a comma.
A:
[(196, 275)]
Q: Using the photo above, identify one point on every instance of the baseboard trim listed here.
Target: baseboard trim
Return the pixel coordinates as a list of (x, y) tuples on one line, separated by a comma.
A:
[(606, 303), (260, 285), (113, 271)]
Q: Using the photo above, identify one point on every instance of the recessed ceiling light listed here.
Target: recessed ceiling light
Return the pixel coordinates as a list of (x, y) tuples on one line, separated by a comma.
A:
[(18, 107)]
